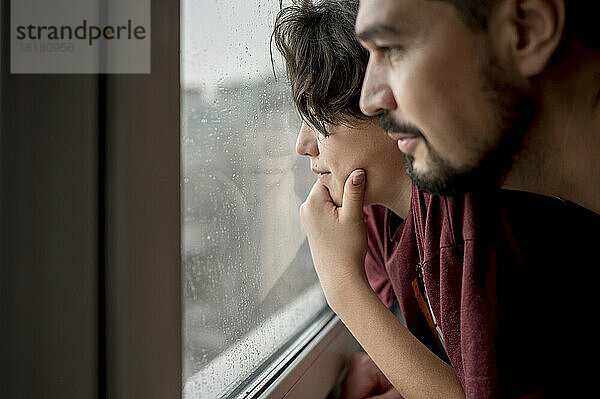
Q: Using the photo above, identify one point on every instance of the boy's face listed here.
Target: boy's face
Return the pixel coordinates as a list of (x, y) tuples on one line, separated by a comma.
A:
[(443, 96), (365, 146)]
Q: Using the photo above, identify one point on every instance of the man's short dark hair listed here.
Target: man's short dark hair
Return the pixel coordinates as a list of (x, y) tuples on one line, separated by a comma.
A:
[(324, 60), (581, 20)]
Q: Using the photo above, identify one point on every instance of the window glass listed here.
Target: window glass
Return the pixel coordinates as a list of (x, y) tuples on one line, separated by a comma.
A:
[(248, 281)]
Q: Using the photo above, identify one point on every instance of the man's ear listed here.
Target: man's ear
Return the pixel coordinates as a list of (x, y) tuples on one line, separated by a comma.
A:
[(533, 31)]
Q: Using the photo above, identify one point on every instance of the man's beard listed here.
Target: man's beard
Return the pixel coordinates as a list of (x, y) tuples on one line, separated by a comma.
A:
[(513, 115)]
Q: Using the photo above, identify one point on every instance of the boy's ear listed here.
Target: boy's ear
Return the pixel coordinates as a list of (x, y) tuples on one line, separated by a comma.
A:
[(529, 32)]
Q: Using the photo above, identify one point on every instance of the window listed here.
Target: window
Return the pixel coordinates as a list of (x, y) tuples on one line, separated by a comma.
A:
[(249, 287), (92, 255)]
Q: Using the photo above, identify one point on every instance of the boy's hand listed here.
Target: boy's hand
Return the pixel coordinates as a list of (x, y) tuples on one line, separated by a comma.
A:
[(337, 235), (365, 380)]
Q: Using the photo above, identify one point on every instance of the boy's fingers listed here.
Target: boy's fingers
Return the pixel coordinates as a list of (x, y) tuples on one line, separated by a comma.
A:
[(354, 193)]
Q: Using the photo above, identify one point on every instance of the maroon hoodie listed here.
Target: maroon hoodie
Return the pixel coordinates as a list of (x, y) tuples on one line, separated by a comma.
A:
[(487, 282)]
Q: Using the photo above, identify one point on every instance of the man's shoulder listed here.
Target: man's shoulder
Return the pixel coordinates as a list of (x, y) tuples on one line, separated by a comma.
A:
[(529, 224)]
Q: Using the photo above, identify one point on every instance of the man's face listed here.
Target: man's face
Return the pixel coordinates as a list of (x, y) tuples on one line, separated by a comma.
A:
[(441, 94), (364, 146)]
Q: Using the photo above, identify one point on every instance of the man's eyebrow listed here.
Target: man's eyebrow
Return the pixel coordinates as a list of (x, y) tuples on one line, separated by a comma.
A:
[(378, 32)]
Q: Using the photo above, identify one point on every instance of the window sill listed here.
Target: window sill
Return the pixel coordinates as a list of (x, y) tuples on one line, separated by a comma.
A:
[(316, 369)]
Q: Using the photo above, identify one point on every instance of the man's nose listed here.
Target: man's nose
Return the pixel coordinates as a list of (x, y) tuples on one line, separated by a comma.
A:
[(306, 144), (376, 95)]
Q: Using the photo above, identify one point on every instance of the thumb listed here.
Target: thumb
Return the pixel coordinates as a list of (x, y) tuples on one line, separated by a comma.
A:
[(354, 193)]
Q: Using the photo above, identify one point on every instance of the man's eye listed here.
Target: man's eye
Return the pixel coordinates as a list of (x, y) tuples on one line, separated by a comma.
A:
[(392, 52)]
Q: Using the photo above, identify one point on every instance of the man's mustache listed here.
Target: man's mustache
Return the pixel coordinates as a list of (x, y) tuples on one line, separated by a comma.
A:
[(389, 125)]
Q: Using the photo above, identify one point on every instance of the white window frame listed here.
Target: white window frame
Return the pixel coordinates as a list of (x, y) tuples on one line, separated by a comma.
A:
[(316, 369)]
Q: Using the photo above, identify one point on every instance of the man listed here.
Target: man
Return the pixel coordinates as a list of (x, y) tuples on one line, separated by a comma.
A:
[(493, 92), (468, 271)]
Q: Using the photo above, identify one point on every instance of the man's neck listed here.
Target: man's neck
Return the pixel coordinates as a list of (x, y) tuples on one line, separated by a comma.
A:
[(560, 155)]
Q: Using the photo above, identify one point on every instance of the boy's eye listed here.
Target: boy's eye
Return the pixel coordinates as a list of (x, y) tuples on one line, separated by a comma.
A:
[(321, 137)]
